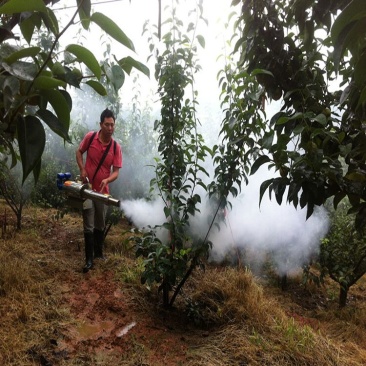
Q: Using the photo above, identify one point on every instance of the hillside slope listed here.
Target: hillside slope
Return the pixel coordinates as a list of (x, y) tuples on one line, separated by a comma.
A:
[(53, 314)]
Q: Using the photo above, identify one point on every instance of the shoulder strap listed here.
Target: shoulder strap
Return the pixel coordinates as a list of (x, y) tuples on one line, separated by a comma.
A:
[(91, 139), (102, 159)]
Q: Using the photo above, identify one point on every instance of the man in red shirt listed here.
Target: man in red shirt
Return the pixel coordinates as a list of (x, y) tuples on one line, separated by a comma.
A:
[(102, 165)]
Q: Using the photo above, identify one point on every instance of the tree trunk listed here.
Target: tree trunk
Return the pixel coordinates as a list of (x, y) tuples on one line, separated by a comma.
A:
[(165, 287), (283, 282), (19, 219), (343, 292)]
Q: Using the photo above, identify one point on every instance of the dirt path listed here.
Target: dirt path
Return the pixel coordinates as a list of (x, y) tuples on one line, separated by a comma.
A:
[(110, 327)]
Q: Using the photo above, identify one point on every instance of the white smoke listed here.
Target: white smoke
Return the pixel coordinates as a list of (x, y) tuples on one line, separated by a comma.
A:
[(250, 233), (144, 213), (253, 233)]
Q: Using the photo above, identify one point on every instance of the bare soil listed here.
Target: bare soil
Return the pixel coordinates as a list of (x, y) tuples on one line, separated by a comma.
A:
[(113, 323), (106, 317)]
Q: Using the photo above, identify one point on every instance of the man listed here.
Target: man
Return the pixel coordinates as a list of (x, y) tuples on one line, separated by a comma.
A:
[(102, 165)]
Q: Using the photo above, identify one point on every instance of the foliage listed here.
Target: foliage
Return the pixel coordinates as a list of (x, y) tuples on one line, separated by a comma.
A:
[(139, 144), (46, 193), (343, 252), (58, 158), (178, 170), (283, 52), (113, 217), (35, 78), (13, 191)]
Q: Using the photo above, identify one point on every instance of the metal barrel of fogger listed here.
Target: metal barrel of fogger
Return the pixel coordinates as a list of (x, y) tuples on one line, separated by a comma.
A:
[(82, 190)]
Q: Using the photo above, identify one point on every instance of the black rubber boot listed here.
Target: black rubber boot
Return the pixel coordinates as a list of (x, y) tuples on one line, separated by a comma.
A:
[(89, 249), (98, 243)]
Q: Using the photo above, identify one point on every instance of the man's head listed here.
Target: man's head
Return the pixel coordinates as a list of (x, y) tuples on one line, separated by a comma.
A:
[(107, 113), (107, 121)]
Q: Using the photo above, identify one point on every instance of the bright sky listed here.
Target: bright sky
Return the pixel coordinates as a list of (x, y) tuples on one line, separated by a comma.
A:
[(131, 16)]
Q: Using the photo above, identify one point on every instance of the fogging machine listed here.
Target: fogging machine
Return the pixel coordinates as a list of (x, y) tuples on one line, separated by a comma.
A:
[(80, 195)]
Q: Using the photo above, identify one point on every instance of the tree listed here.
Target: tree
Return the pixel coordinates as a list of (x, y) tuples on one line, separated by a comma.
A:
[(57, 158), (179, 170), (343, 252), (13, 191), (283, 51), (35, 80), (139, 141)]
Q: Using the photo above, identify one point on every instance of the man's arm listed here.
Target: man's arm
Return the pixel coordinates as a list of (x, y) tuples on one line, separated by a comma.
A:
[(80, 162)]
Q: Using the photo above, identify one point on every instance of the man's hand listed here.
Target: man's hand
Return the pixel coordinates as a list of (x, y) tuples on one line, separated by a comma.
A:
[(84, 176), (103, 184)]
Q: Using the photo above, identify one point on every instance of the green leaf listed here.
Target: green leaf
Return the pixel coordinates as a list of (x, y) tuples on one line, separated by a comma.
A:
[(310, 210), (362, 99), (50, 21), (267, 140), (308, 33), (47, 82), (60, 105), (353, 11), (348, 39), (11, 86), (73, 77), (285, 119), (27, 27), (263, 188), (360, 67), (67, 97), (261, 71), (37, 170), (346, 28), (98, 87), (321, 118), (58, 70), (298, 129), (84, 12), (118, 77), (32, 139), (338, 197), (112, 29), (127, 63), (167, 211), (22, 70), (86, 6), (258, 163), (20, 6), (54, 123), (201, 41), (356, 177), (279, 187), (22, 53), (87, 57)]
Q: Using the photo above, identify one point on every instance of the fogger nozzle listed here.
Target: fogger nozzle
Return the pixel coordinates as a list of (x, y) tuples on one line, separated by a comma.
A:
[(81, 190)]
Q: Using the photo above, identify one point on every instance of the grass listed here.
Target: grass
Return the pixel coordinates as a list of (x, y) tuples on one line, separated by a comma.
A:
[(258, 330), (28, 307), (225, 315)]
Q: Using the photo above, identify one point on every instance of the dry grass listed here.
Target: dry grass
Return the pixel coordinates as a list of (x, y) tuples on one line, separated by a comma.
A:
[(229, 317), (254, 329), (29, 308)]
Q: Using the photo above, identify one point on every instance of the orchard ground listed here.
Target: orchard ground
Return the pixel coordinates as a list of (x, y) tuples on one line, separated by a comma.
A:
[(53, 314)]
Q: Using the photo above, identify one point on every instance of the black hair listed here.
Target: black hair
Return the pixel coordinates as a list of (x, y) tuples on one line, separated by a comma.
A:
[(107, 113)]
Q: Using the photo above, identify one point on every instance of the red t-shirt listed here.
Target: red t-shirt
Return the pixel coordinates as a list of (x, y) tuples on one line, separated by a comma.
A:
[(94, 155)]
